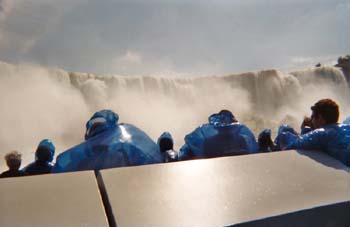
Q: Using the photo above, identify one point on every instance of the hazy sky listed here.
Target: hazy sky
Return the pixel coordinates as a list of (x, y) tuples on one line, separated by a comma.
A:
[(164, 36)]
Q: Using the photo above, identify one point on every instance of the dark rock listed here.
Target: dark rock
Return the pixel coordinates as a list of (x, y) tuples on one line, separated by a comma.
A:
[(344, 65), (343, 62)]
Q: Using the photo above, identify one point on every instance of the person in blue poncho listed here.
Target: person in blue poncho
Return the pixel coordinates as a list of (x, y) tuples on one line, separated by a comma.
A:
[(43, 159), (265, 142), (280, 138), (222, 136), (166, 147), (328, 135), (109, 144)]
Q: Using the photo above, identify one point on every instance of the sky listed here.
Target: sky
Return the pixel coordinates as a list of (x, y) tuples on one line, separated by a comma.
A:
[(197, 37)]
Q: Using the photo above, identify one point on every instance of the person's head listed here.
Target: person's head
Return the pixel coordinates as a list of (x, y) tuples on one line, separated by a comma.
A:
[(100, 122), (264, 141), (43, 154), (228, 114), (325, 111), (45, 151), (13, 160), (223, 118), (165, 142)]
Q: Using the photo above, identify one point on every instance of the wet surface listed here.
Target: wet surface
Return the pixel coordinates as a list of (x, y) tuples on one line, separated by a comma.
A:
[(225, 191)]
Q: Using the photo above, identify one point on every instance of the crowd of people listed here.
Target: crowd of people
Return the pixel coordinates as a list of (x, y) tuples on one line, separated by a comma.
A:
[(110, 144)]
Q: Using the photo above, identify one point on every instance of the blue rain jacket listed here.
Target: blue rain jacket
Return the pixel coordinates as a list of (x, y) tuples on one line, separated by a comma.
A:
[(109, 144), (222, 136), (38, 166), (334, 139)]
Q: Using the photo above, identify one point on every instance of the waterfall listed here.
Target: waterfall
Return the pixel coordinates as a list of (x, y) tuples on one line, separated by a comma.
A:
[(38, 102)]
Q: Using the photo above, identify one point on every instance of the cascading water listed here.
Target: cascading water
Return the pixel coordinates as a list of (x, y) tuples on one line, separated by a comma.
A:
[(38, 103)]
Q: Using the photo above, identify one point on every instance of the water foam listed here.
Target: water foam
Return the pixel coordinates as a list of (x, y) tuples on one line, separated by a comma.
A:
[(38, 102)]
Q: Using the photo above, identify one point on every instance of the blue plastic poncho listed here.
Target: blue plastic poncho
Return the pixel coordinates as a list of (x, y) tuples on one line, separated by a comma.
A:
[(222, 136), (109, 144), (334, 139), (43, 161), (286, 131)]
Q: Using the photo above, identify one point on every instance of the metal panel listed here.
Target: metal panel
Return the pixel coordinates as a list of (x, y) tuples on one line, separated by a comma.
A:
[(334, 215), (70, 199), (225, 191)]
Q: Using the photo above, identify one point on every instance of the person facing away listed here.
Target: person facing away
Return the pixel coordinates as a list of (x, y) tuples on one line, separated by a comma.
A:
[(327, 135), (222, 136), (265, 142), (43, 159), (109, 144), (166, 147), (13, 161)]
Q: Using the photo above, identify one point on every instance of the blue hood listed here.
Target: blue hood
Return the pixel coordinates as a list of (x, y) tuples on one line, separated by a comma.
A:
[(48, 144), (100, 122)]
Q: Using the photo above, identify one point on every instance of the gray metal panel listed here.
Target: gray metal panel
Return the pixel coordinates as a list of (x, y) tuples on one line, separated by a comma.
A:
[(69, 199), (335, 215), (224, 191)]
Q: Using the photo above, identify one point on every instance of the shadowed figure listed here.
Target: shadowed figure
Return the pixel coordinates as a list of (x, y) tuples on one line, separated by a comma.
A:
[(13, 161), (43, 159), (265, 142), (166, 147)]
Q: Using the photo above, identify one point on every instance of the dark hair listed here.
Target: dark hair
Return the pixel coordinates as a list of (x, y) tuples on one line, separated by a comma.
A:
[(43, 154), (229, 114), (13, 160), (165, 144), (328, 109)]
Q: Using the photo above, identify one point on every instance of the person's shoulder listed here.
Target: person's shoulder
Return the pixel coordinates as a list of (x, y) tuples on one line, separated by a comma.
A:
[(343, 129), (344, 126), (320, 130), (204, 126), (4, 174), (317, 133), (13, 173), (29, 166), (238, 124), (22, 173), (200, 129), (37, 166), (243, 127), (333, 128)]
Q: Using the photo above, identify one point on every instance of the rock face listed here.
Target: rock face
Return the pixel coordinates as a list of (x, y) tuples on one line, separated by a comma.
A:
[(344, 64)]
